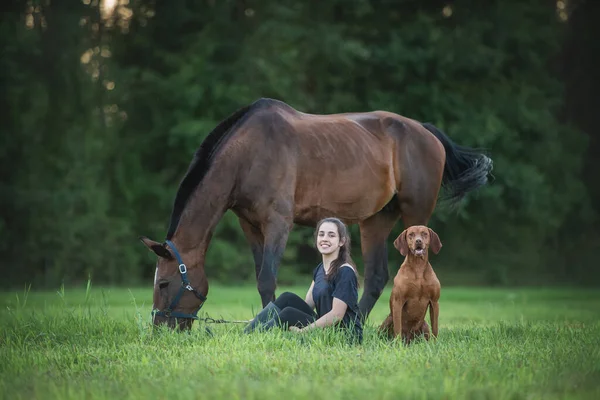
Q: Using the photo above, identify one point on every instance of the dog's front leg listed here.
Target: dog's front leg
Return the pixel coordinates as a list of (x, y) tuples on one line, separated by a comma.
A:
[(397, 314), (434, 312)]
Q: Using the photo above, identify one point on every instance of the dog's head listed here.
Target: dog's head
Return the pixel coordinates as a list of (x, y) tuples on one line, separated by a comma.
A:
[(418, 239)]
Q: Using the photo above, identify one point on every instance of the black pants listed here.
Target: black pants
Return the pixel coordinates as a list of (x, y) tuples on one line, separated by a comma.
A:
[(294, 310)]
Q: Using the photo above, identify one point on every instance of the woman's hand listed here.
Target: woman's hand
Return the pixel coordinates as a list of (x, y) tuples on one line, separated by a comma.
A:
[(295, 329)]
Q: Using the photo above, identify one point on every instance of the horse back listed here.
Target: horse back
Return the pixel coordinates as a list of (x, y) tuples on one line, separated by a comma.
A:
[(349, 165)]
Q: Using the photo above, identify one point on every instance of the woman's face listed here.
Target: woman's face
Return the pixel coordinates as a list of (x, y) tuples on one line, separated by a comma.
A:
[(328, 238)]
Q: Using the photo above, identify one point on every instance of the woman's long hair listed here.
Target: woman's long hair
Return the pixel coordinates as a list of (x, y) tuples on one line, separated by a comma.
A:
[(344, 254)]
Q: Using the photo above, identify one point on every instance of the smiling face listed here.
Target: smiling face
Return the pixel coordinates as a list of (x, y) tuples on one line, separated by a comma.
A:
[(417, 240), (328, 239)]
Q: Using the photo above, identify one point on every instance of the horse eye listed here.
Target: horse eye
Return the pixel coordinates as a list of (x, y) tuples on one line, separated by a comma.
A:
[(163, 285)]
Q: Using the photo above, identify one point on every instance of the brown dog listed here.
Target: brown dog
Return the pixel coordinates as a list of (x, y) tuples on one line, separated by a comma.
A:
[(416, 287)]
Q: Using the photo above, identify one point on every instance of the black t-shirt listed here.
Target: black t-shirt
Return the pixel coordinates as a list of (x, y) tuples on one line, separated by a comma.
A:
[(343, 286)]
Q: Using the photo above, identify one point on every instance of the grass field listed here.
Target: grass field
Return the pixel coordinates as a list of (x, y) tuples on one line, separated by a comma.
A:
[(493, 344)]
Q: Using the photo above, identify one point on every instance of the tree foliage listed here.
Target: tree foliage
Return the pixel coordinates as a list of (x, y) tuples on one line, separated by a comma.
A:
[(104, 107)]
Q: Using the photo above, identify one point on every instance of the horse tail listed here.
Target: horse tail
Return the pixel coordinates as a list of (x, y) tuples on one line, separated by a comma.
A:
[(466, 168)]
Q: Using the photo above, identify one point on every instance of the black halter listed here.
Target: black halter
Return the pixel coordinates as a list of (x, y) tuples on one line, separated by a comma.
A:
[(185, 286)]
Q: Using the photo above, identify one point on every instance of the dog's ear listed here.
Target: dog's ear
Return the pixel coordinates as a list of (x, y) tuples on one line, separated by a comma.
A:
[(400, 243), (434, 243)]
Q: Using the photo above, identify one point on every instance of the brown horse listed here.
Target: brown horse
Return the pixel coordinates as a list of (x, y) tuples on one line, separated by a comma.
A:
[(274, 166)]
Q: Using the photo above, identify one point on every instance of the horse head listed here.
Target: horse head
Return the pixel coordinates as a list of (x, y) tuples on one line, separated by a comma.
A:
[(179, 290)]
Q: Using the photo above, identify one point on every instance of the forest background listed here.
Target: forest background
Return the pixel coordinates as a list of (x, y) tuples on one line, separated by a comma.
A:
[(104, 103)]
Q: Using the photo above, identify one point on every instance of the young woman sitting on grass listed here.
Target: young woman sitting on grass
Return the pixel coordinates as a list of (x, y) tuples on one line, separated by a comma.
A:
[(333, 293)]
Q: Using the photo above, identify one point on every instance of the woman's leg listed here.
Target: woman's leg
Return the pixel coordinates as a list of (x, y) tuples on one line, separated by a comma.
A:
[(292, 316), (270, 315), (270, 311), (289, 299)]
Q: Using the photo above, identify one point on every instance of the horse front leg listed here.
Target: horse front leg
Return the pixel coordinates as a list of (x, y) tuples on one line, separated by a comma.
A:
[(374, 232), (275, 239), (256, 239)]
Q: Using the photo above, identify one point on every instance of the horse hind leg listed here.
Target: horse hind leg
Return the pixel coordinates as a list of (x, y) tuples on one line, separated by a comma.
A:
[(418, 202), (374, 232)]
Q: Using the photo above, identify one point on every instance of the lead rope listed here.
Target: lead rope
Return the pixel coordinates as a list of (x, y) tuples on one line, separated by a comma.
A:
[(210, 320)]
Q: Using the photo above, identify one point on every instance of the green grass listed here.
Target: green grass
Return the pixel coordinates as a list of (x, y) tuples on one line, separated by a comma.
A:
[(493, 344)]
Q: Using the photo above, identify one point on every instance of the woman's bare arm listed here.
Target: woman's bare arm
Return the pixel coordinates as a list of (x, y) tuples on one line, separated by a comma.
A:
[(336, 314), (309, 299)]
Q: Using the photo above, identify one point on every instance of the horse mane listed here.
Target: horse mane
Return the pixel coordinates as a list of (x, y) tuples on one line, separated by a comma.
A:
[(201, 162)]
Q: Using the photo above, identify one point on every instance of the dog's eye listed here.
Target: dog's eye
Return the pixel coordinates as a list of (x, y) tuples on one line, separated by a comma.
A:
[(425, 234)]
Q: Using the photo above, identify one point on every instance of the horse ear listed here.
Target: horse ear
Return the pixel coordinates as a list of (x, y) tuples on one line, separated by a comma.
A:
[(435, 244), (158, 249), (400, 243)]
